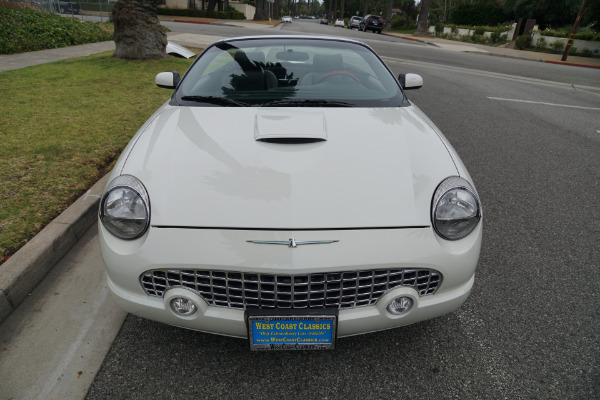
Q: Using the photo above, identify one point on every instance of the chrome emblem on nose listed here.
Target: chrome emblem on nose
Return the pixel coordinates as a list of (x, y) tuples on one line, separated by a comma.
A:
[(291, 242)]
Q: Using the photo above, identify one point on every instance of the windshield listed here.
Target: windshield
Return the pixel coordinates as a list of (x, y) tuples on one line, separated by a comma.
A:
[(289, 72)]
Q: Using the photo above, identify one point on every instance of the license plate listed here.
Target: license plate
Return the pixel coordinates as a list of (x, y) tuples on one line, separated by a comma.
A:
[(291, 329)]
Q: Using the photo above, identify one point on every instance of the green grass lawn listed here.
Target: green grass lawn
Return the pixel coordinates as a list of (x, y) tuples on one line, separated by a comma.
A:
[(61, 127)]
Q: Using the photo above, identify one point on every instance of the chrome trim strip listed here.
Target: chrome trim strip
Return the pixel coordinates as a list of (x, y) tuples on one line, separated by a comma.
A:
[(230, 228), (291, 242)]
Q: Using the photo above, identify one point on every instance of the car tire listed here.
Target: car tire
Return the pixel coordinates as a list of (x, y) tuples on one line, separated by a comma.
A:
[(379, 32)]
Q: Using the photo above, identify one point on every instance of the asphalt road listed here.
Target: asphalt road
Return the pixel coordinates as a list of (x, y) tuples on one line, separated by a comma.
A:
[(402, 49), (530, 330)]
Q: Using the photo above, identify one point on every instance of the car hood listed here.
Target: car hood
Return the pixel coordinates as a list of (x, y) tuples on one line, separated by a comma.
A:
[(289, 168)]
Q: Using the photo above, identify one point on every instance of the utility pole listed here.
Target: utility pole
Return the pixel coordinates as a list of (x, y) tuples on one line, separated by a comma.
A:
[(573, 31)]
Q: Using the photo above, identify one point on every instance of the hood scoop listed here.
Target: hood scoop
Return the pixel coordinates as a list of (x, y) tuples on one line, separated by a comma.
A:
[(290, 127)]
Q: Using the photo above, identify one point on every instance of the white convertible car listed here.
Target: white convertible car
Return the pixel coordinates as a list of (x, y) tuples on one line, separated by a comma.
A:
[(289, 193)]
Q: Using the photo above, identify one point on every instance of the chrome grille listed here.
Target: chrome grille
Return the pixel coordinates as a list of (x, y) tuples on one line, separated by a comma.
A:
[(348, 289)]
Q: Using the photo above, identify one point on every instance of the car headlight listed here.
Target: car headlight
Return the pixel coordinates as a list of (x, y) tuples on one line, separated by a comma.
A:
[(455, 210), (125, 207)]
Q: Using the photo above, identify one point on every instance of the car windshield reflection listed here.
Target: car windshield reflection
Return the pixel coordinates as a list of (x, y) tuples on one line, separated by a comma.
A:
[(271, 71)]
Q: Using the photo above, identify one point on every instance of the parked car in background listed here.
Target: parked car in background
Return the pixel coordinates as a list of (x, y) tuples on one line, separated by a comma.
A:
[(373, 23), (289, 193), (286, 19), (339, 22), (68, 7), (354, 22), (324, 21)]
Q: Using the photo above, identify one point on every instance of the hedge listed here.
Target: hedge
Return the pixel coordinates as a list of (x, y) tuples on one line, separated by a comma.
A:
[(584, 35), (24, 29)]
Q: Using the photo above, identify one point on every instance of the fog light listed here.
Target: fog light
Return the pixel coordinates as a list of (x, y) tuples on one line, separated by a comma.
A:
[(183, 306), (400, 305)]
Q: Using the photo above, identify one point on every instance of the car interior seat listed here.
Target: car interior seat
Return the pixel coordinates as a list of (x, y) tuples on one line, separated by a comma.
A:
[(322, 65), (254, 77)]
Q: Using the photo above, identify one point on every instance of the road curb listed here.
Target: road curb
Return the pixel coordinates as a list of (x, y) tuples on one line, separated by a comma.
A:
[(572, 64), (413, 39), (27, 267), (192, 22)]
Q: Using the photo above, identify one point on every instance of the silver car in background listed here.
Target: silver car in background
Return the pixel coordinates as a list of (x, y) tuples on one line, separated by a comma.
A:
[(354, 22)]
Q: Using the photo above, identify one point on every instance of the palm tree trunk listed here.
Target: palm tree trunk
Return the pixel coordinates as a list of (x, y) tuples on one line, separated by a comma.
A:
[(423, 26), (138, 33), (388, 15)]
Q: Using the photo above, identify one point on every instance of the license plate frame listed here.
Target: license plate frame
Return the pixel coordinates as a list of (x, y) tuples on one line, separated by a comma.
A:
[(291, 329)]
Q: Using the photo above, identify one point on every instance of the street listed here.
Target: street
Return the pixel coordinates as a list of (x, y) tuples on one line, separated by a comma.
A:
[(529, 134)]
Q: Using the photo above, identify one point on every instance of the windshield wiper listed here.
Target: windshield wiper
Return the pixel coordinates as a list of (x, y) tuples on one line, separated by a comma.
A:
[(307, 103), (222, 101)]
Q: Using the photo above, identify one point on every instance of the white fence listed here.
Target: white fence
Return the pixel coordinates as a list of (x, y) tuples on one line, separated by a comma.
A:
[(590, 45)]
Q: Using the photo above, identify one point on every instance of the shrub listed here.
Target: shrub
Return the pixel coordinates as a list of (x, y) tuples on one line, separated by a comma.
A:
[(555, 33), (397, 22), (479, 30), (588, 35), (541, 43), (583, 35), (573, 50), (587, 53), (439, 28), (24, 29), (557, 46), (523, 42), (496, 37), (480, 38)]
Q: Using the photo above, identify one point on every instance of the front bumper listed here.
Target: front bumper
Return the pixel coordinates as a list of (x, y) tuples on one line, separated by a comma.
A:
[(229, 250)]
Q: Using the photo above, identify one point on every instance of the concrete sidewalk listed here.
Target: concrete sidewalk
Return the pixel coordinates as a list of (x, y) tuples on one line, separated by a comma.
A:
[(22, 60), (503, 51)]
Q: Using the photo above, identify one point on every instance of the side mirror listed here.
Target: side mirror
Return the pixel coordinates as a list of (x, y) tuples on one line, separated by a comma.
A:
[(410, 81), (167, 80)]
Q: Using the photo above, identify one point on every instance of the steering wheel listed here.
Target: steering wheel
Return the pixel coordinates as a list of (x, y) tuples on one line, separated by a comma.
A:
[(343, 73)]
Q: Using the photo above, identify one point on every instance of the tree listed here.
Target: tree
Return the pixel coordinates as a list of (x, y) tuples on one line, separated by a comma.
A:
[(138, 33), (482, 13), (554, 13), (423, 26), (212, 4), (591, 15), (388, 14), (262, 10)]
